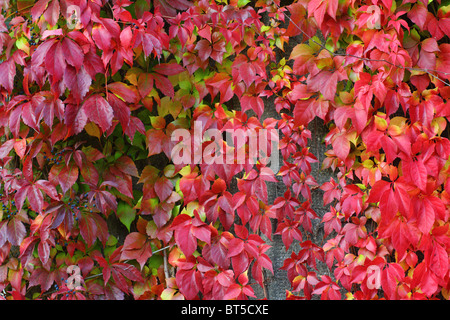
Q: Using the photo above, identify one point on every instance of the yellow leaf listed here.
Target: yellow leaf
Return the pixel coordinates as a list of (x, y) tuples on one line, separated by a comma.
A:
[(168, 293), (93, 130)]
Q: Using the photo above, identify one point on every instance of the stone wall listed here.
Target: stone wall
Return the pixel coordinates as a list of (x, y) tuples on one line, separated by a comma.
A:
[(278, 283)]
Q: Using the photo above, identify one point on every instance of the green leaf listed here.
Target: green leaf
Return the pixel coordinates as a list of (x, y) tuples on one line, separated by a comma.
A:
[(141, 6), (185, 85), (158, 122), (112, 241), (22, 44), (155, 261), (164, 106), (242, 3), (126, 214)]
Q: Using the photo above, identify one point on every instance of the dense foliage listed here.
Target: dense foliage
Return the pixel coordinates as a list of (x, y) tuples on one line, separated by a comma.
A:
[(91, 92)]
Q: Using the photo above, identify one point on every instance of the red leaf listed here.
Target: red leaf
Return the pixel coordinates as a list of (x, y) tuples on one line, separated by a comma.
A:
[(93, 64), (332, 191), (52, 13), (4, 234), (232, 292), (20, 147), (136, 247), (202, 233), (8, 72), (155, 140), (297, 14), (15, 231), (303, 113), (391, 275), (168, 8), (218, 253), (425, 215), (265, 262), (6, 148), (425, 279), (183, 235), (104, 200), (248, 73), (135, 124), (240, 262), (122, 271), (341, 146), (39, 56), (28, 116), (186, 240), (252, 103), (42, 277), (427, 60), (204, 49), (145, 84), (189, 282), (164, 84), (235, 247), (150, 43), (102, 37), (72, 53), (14, 121), (332, 8), (430, 45), (127, 166), (93, 226), (121, 111), (168, 69), (300, 91), (416, 173), (48, 33), (402, 235), (418, 14), (163, 188), (65, 176), (62, 214), (439, 260), (38, 9), (328, 289), (98, 110), (289, 230), (35, 198), (78, 82), (222, 83), (325, 82), (55, 62), (124, 91), (44, 251), (48, 188), (378, 189)]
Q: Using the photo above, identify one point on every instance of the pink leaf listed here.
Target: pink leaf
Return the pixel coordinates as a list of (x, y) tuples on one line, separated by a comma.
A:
[(8, 72), (163, 188), (55, 62), (78, 82), (98, 110), (72, 53), (52, 13), (38, 9)]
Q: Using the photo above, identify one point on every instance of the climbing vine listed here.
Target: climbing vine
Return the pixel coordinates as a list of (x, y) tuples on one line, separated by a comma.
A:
[(100, 99)]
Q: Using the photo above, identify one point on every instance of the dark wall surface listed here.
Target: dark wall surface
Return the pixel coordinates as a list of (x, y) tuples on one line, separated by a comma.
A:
[(278, 283)]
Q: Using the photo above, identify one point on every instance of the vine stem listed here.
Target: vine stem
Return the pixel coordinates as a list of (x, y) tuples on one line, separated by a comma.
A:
[(22, 9), (166, 269), (266, 296)]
